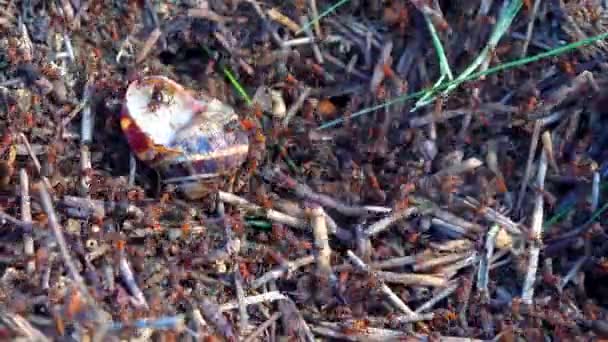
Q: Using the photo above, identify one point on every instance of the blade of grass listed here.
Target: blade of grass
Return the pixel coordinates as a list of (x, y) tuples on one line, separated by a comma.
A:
[(564, 212), (504, 22), (237, 86), (323, 14), (444, 66), (509, 65)]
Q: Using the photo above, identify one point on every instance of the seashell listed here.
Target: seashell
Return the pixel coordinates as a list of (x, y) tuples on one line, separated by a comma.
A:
[(183, 137)]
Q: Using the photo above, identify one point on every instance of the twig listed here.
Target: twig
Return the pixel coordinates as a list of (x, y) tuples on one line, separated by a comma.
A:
[(240, 298), (278, 272), (315, 14), (315, 47), (426, 264), (337, 62), (161, 323), (295, 107), (303, 191), (484, 262), (438, 297), (129, 279), (212, 314), (85, 167), (263, 298), (292, 314), (267, 26), (260, 329), (465, 166), (26, 216), (530, 28), (571, 273), (132, 170), (595, 192), (451, 270), (148, 45), (392, 297), (536, 231), (386, 222), (412, 279), (270, 214), (379, 69), (284, 20), (47, 205), (432, 117), (548, 147), (492, 215), (16, 322), (319, 229)]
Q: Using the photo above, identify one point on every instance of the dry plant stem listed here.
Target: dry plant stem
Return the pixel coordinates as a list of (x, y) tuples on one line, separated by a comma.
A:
[(428, 263), (271, 214), (438, 297), (332, 38), (240, 298), (451, 270), (35, 160), (319, 229), (284, 20), (484, 263), (296, 106), (84, 208), (315, 14), (411, 319), (292, 316), (447, 216), (47, 205), (85, 166), (212, 314), (465, 166), (571, 273), (395, 262), (536, 232), (88, 117), (530, 29), (26, 216), (386, 222), (260, 329), (315, 47), (337, 62), (378, 75), (132, 170), (412, 279), (432, 117), (27, 226), (263, 298), (392, 297), (278, 272), (557, 97), (260, 12), (367, 334), (148, 45), (16, 323), (197, 317), (127, 276), (548, 147), (493, 216), (595, 192), (305, 192)]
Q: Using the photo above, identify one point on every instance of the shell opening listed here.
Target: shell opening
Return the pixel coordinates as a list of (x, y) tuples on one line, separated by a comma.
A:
[(160, 114)]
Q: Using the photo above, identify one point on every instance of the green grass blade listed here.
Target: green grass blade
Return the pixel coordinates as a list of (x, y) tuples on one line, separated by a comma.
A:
[(504, 22), (509, 65), (323, 14), (237, 86)]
